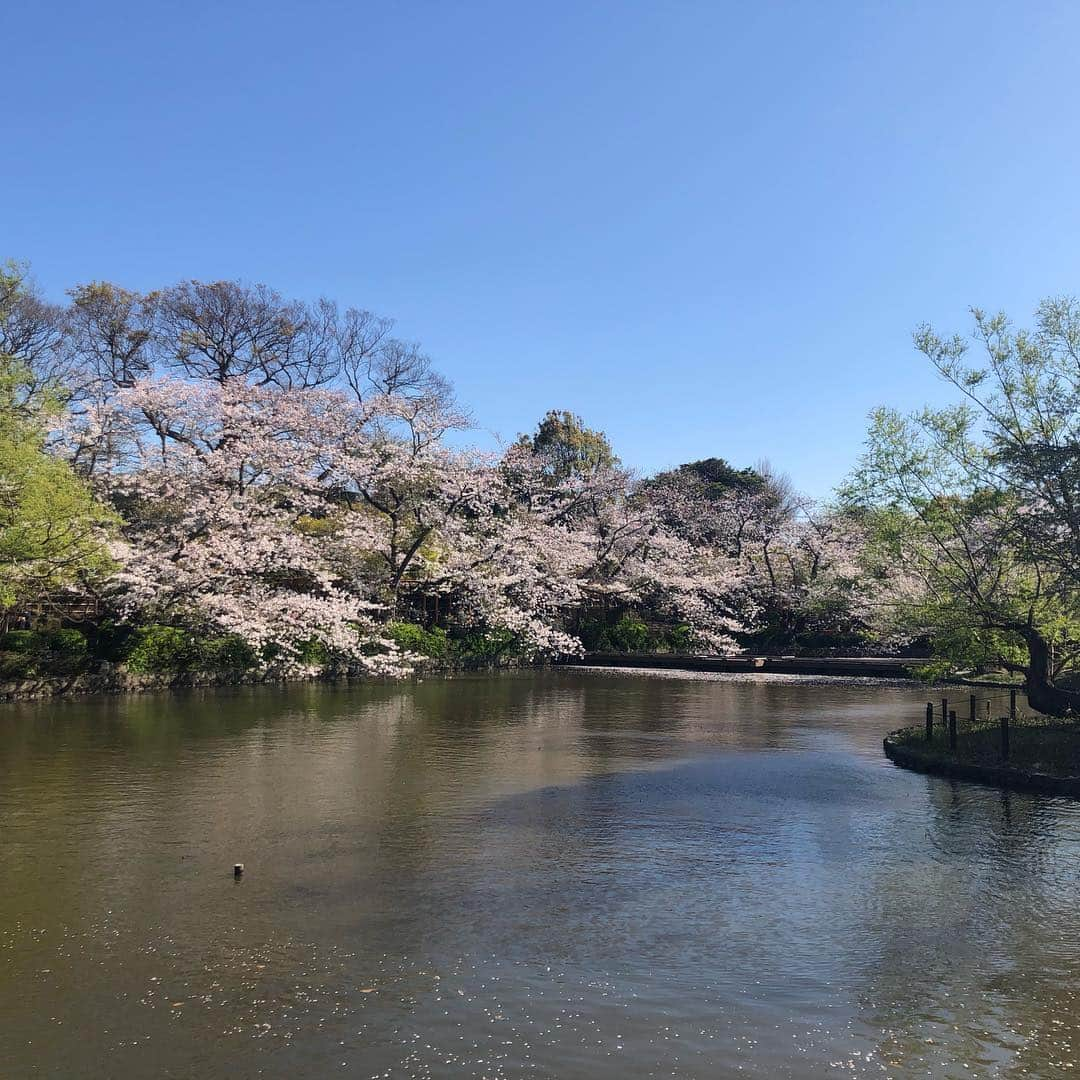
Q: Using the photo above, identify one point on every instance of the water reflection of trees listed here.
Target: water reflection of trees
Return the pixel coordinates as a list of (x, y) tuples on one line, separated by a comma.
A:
[(552, 811)]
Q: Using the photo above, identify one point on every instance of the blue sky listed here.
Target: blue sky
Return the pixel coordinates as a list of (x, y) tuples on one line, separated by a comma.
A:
[(709, 228)]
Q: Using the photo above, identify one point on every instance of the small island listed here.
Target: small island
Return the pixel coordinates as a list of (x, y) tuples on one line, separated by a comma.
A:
[(1027, 752)]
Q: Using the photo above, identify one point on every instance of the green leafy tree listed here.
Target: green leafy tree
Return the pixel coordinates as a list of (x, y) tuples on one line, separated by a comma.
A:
[(719, 478), (570, 448), (976, 508), (51, 528)]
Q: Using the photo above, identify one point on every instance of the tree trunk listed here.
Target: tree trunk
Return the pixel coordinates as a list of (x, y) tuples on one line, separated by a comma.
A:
[(1042, 694)]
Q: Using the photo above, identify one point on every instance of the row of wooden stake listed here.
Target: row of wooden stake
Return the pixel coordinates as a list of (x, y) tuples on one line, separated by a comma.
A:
[(948, 721)]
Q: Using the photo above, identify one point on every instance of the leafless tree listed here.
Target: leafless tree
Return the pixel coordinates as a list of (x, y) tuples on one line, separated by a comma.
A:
[(112, 332), (224, 330), (33, 333)]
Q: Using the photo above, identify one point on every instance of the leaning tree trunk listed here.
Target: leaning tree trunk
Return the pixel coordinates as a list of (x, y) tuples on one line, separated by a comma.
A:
[(1042, 694)]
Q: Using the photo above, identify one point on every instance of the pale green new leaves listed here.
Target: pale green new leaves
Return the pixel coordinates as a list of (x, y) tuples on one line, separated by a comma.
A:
[(52, 531)]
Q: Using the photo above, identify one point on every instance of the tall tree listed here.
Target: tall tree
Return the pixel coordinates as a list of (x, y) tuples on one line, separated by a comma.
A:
[(52, 531), (226, 496), (568, 447), (977, 506)]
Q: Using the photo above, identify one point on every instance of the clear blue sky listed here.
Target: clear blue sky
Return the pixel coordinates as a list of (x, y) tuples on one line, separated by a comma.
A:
[(709, 228)]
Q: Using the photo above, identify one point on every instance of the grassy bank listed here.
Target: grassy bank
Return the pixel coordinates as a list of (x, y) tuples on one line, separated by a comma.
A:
[(1043, 752)]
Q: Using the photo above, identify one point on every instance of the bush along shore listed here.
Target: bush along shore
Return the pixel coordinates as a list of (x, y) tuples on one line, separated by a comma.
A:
[(987, 739), (115, 660)]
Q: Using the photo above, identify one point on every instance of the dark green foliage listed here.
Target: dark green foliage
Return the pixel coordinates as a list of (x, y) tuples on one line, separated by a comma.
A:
[(415, 639), (630, 633), (230, 652), (784, 630), (25, 653), (162, 650), (311, 652), (314, 653), (720, 477), (18, 641), (166, 650), (109, 641), (65, 642), (15, 666), (489, 645), (590, 629)]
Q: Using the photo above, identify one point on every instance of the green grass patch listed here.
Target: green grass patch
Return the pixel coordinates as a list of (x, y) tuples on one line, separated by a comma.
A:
[(1037, 744)]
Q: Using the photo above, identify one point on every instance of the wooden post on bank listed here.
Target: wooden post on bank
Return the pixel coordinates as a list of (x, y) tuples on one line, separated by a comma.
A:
[(1005, 721), (952, 729), (929, 721)]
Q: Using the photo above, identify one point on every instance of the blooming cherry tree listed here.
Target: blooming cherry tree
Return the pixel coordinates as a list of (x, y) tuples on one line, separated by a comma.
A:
[(222, 490)]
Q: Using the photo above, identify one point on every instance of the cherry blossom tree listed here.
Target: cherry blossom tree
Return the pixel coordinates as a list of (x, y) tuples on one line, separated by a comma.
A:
[(281, 471), (618, 548), (221, 489), (801, 567)]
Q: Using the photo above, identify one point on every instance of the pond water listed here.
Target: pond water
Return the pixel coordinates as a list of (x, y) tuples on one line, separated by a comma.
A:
[(562, 873)]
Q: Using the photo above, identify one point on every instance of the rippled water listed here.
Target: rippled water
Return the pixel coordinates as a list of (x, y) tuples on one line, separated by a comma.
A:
[(567, 873)]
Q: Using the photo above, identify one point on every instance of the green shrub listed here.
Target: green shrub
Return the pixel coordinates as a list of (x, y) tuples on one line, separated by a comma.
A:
[(591, 631), (415, 639), (314, 653), (19, 641), (311, 652), (629, 634), (163, 650), (16, 665), (158, 650), (270, 652), (42, 652), (230, 652), (486, 645), (67, 643), (111, 641)]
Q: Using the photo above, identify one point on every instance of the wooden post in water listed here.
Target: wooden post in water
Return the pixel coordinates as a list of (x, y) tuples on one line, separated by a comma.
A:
[(944, 712), (1004, 738), (952, 729), (929, 721), (1012, 703), (972, 710)]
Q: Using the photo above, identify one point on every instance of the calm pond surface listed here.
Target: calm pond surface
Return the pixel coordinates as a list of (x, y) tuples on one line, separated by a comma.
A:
[(559, 873)]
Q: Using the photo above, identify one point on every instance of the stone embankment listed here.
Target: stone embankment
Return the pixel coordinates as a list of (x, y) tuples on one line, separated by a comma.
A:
[(883, 667)]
